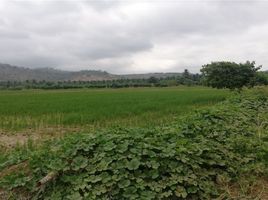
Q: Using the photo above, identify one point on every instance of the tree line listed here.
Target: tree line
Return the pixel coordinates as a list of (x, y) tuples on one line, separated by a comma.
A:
[(229, 75), (185, 79)]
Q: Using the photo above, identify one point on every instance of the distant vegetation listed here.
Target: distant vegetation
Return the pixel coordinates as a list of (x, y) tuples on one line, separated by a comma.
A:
[(118, 83), (217, 74)]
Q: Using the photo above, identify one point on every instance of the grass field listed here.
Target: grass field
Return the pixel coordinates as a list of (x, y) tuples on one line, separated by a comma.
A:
[(37, 109)]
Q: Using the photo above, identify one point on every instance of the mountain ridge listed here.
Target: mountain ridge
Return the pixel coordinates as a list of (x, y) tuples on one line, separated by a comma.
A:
[(16, 73)]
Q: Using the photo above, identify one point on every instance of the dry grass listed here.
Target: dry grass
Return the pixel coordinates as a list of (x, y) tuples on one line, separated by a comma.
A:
[(247, 188)]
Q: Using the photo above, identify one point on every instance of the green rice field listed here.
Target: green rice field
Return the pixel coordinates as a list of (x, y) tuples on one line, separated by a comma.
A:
[(37, 109)]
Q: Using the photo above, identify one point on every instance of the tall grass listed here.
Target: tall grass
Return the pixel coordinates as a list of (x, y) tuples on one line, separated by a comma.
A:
[(38, 109)]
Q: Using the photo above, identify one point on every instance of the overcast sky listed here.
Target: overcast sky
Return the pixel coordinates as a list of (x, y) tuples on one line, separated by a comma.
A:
[(132, 36)]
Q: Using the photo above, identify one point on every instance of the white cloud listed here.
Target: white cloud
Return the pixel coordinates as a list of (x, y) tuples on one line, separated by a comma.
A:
[(132, 36)]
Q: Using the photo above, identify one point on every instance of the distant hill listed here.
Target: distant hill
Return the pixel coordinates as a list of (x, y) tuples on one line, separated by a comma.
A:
[(14, 73)]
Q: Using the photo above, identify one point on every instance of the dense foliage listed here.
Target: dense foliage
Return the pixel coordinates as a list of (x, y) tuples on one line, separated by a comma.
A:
[(181, 161), (262, 78), (230, 74)]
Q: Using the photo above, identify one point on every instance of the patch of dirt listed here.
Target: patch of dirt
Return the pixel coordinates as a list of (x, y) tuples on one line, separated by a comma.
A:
[(21, 195), (4, 194), (9, 140)]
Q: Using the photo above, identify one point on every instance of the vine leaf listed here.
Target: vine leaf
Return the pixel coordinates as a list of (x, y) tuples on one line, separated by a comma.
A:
[(124, 183), (133, 164), (181, 192)]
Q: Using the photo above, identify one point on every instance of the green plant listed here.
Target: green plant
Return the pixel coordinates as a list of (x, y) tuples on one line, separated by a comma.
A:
[(189, 160)]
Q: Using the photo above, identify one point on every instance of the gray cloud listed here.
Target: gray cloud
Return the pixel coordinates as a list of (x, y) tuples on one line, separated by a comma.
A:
[(132, 36)]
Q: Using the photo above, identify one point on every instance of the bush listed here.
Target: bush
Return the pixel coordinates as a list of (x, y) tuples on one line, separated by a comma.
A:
[(230, 75)]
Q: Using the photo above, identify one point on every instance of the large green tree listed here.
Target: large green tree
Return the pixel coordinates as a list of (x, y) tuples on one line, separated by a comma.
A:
[(230, 74)]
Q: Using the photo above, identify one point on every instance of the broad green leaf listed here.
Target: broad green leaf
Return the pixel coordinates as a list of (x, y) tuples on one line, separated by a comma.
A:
[(181, 192), (133, 164), (124, 183)]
